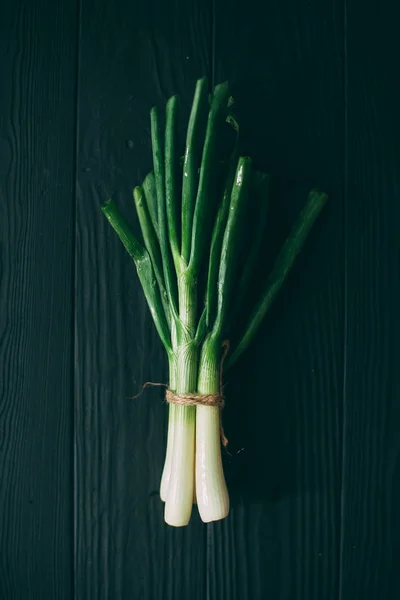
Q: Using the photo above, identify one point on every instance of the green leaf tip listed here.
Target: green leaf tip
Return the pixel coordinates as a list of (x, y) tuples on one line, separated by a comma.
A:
[(138, 196)]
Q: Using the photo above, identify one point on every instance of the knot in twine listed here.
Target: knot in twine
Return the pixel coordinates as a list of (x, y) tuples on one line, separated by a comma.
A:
[(195, 399)]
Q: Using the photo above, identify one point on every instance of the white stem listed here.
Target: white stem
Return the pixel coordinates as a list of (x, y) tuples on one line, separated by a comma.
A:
[(166, 474), (194, 472), (211, 491), (179, 501), (178, 505)]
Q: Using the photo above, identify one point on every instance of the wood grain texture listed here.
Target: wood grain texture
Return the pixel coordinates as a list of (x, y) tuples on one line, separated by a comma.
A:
[(371, 475), (312, 411), (37, 149), (282, 539), (131, 57)]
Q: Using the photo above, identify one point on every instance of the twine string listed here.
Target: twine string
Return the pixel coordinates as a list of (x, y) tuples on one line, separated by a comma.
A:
[(194, 399)]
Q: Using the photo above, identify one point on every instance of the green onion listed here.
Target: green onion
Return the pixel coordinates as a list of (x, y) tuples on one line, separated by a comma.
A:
[(188, 268)]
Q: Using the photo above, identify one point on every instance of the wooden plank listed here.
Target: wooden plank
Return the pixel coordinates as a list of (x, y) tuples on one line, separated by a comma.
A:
[(284, 402), (131, 57), (37, 115), (371, 478)]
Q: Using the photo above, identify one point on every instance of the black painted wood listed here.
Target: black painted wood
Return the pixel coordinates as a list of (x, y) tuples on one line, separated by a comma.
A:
[(131, 57), (37, 162), (312, 410), (371, 445), (285, 64)]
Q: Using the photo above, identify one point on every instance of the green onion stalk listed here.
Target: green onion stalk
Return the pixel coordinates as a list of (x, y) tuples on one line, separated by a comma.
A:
[(191, 213)]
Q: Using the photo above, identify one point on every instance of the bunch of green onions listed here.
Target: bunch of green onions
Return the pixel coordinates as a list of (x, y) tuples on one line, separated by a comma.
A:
[(191, 212)]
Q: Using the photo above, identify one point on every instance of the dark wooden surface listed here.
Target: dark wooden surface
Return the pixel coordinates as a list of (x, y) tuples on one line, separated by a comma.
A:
[(370, 554), (313, 409), (37, 171)]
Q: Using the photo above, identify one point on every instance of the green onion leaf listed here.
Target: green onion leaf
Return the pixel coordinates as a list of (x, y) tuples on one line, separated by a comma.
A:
[(171, 167), (158, 162), (227, 272), (208, 171), (291, 248), (194, 143), (144, 269), (152, 246), (150, 193)]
